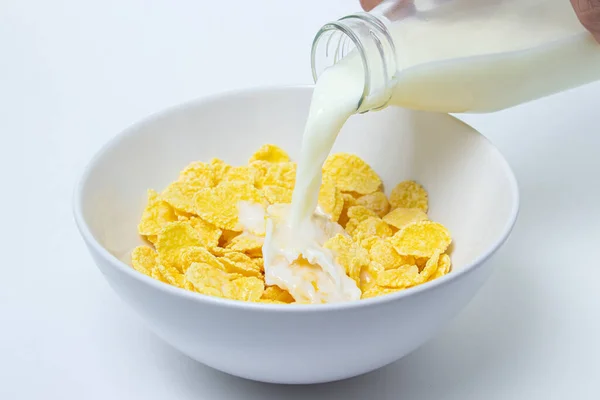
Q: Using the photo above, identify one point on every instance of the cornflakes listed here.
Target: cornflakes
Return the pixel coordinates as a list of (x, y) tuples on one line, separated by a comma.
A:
[(384, 253), (247, 288), (219, 169), (275, 293), (172, 276), (377, 291), (376, 202), (351, 173), (240, 263), (209, 234), (240, 174), (196, 254), (172, 239), (421, 239), (198, 171), (372, 226), (360, 213), (369, 275), (144, 259), (270, 153), (444, 266), (180, 194), (208, 279), (399, 278), (196, 241), (277, 194), (409, 194), (349, 201), (331, 200), (247, 244), (156, 215), (274, 174), (219, 205), (349, 255), (400, 217)]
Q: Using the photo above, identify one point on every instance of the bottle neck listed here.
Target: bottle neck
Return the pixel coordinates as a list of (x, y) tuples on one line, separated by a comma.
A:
[(362, 39)]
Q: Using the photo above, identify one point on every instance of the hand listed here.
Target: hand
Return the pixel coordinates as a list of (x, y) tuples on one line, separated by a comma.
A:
[(588, 12)]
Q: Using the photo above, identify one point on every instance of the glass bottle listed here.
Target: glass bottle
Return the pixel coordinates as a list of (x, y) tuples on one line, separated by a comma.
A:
[(460, 55)]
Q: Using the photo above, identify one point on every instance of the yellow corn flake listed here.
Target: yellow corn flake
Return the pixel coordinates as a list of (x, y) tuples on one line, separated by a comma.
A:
[(401, 217), (208, 279), (402, 277), (209, 234), (151, 239), (275, 293), (183, 216), (247, 244), (144, 259), (377, 291), (351, 226), (270, 153), (268, 301), (156, 215), (220, 251), (369, 275), (246, 289), (172, 239), (349, 255), (227, 236), (259, 262), (349, 201), (369, 242), (180, 194), (444, 265), (219, 205), (155, 274), (430, 268), (421, 239), (196, 254), (351, 173), (409, 194), (372, 226), (172, 276), (384, 253), (198, 171), (240, 263), (376, 202), (274, 174), (331, 200), (219, 169), (277, 194), (360, 213), (241, 174)]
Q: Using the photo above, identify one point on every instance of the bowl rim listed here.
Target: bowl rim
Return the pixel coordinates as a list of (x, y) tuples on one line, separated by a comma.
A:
[(121, 266)]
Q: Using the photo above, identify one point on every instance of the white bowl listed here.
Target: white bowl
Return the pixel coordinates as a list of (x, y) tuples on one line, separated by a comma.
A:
[(472, 191)]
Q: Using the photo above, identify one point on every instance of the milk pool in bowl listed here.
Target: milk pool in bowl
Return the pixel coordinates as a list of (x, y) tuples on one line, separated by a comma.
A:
[(472, 191)]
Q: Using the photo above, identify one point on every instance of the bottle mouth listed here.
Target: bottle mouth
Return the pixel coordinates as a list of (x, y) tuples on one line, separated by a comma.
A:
[(369, 37)]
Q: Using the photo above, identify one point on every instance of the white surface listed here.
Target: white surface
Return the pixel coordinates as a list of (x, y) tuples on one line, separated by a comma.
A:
[(475, 196), (73, 73)]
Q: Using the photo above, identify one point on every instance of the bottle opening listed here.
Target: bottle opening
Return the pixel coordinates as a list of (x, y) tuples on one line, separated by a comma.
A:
[(366, 40)]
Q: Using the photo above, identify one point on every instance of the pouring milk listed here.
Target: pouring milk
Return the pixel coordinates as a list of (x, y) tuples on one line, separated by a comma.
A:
[(446, 56)]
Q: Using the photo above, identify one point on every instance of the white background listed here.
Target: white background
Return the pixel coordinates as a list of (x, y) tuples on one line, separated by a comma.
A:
[(73, 73)]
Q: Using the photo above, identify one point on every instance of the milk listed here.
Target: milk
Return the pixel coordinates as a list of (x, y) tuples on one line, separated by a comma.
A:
[(487, 55), (462, 56)]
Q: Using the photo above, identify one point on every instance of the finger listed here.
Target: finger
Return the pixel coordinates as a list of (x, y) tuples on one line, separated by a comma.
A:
[(588, 12), (368, 5)]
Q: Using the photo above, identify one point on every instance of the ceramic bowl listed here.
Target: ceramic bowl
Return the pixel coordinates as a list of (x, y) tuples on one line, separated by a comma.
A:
[(471, 187)]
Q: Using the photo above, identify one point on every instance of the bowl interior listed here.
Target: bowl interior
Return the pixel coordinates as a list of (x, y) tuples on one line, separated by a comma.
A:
[(472, 190)]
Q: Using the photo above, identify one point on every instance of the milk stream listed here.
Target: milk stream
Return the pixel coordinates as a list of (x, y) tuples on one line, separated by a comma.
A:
[(463, 56)]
